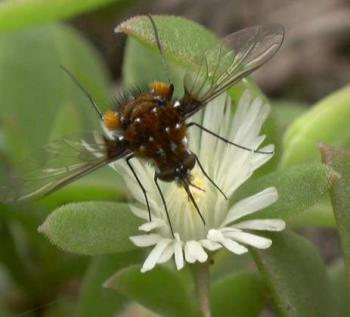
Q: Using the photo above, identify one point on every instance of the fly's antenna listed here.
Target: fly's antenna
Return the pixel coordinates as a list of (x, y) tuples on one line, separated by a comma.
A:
[(77, 82), (160, 48)]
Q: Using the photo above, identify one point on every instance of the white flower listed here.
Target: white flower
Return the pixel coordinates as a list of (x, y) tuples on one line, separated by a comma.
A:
[(229, 167)]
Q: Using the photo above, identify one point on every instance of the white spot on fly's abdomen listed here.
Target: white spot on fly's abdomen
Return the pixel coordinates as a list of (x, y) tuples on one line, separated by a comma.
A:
[(151, 139), (177, 104), (167, 129), (184, 141), (138, 120), (154, 109), (177, 126)]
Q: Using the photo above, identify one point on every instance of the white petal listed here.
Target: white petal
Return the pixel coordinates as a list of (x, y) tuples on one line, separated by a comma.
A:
[(251, 204), (139, 212), (195, 252), (146, 240), (234, 247), (210, 245), (262, 224), (178, 253), (167, 254), (260, 159), (149, 226), (250, 239), (217, 236), (154, 255)]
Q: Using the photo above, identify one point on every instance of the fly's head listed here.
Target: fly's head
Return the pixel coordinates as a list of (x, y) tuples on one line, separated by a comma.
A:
[(179, 172)]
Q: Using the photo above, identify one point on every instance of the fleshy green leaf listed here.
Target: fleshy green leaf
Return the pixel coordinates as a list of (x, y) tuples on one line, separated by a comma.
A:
[(285, 113), (318, 215), (91, 228), (339, 160), (326, 122), (281, 115), (296, 276), (22, 13), (37, 98), (240, 294), (182, 40), (159, 290), (339, 282), (96, 300), (298, 187), (99, 186)]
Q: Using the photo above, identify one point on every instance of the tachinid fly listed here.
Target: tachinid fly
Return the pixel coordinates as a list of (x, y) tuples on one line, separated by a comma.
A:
[(152, 125)]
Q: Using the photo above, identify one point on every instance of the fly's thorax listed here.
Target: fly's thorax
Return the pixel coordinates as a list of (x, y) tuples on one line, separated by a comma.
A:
[(155, 130)]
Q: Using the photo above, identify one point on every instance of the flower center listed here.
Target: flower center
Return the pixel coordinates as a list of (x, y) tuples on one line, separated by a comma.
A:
[(198, 187)]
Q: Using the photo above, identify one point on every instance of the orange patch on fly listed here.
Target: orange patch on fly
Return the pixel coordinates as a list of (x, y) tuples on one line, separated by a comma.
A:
[(111, 120), (159, 88)]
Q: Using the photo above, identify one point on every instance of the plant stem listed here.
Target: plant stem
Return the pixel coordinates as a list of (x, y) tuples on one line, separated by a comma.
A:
[(200, 273)]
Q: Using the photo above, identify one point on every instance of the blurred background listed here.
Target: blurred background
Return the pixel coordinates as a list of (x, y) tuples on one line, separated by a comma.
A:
[(38, 103)]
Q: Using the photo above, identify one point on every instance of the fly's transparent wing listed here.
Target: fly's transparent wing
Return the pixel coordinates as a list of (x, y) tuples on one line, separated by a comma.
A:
[(234, 58), (59, 163)]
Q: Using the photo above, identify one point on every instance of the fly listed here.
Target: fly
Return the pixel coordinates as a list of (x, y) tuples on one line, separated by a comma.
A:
[(153, 125)]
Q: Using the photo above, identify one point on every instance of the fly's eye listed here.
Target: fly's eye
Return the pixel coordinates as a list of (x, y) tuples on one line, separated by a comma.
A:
[(189, 162), (111, 120), (161, 89)]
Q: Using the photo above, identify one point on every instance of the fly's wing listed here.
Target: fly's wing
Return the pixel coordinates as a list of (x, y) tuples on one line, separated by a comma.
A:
[(60, 163), (234, 58)]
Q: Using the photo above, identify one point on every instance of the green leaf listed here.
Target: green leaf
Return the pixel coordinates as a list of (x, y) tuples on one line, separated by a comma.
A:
[(22, 13), (296, 276), (96, 300), (37, 98), (339, 282), (159, 290), (240, 294), (282, 114), (326, 122), (319, 215), (96, 187), (299, 187), (285, 112), (339, 160), (11, 260), (91, 228), (182, 40)]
